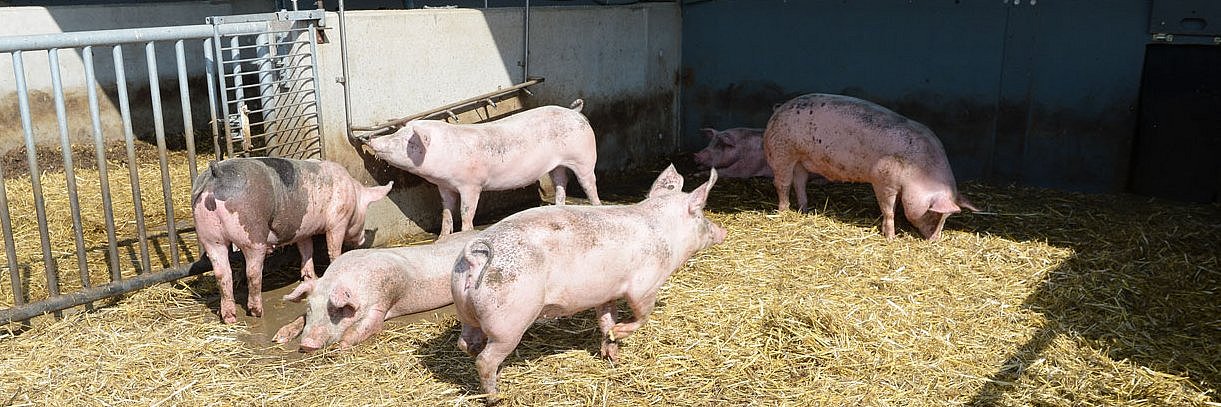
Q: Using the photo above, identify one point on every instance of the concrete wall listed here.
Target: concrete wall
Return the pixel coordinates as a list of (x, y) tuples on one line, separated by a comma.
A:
[(49, 20), (622, 60), (1041, 94)]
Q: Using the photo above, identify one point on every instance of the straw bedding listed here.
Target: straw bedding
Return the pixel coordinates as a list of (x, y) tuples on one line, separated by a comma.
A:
[(1052, 299)]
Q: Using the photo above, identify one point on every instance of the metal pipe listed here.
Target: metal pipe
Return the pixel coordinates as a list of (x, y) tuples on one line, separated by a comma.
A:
[(99, 145), (65, 146), (267, 97), (525, 59), (211, 64), (313, 57), (154, 88), (222, 87), (133, 35), (184, 93), (344, 80), (133, 172), (58, 303), (10, 247), (23, 102), (465, 102)]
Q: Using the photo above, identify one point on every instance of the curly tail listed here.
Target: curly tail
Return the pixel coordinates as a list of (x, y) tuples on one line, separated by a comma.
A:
[(476, 258), (577, 105)]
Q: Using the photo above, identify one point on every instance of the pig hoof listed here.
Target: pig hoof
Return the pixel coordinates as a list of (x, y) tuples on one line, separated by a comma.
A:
[(610, 351), (229, 319)]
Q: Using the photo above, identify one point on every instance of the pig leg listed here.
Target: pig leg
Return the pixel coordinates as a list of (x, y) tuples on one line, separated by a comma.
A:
[(589, 183), (886, 202), (334, 243), (449, 205), (290, 330), (470, 202), (472, 340), (218, 253), (559, 179), (306, 248), (364, 329), (254, 278), (606, 322), (783, 179), (641, 307), (800, 175), (503, 334)]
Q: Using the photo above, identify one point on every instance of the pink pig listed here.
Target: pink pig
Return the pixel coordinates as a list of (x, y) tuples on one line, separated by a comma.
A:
[(849, 139), (258, 204), (735, 153), (465, 159), (554, 261), (363, 288)]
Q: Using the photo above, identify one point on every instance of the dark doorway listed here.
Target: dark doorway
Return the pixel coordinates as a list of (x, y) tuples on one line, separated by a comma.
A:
[(1177, 154)]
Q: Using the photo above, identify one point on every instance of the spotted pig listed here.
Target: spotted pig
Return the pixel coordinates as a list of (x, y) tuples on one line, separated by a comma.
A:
[(849, 139), (464, 160), (258, 204), (363, 288), (554, 261)]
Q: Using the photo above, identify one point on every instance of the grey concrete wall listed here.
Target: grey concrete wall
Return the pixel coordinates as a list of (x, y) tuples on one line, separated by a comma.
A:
[(622, 60)]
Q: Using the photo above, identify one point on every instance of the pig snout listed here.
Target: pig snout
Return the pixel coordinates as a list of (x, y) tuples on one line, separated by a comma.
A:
[(309, 345)]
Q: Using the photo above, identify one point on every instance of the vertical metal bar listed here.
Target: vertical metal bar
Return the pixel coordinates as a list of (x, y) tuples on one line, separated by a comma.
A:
[(525, 58), (265, 54), (222, 86), (154, 88), (184, 94), (99, 145), (313, 56), (6, 222), (23, 102), (132, 166), (210, 67), (343, 60), (65, 145)]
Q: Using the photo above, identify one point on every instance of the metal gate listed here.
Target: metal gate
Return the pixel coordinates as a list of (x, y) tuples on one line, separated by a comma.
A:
[(261, 79)]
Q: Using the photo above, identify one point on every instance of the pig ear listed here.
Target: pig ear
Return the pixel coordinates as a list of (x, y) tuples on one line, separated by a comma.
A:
[(342, 297), (301, 291), (424, 140), (698, 197), (669, 180), (726, 139), (708, 133), (944, 205), (371, 194)]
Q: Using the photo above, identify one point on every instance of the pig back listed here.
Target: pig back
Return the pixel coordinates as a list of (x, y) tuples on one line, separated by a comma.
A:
[(570, 258), (847, 139), (274, 196)]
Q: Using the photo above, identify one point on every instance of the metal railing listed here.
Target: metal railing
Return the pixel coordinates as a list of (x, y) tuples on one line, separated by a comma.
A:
[(281, 113)]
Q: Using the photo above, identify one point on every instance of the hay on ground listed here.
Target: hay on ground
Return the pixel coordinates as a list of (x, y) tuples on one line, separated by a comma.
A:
[(1056, 299)]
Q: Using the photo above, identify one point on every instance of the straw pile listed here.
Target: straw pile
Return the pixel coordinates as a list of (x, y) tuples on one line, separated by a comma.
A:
[(58, 209), (1057, 299)]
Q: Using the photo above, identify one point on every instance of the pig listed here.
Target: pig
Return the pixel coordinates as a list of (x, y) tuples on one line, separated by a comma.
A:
[(848, 139), (735, 153), (258, 204), (555, 261), (465, 159), (363, 288)]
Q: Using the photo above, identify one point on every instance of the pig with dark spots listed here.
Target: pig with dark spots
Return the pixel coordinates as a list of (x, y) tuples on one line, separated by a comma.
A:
[(363, 288), (735, 153), (848, 139), (258, 204), (464, 160), (556, 261)]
